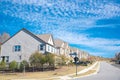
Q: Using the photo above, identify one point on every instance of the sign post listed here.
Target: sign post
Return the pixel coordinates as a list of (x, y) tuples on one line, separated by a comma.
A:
[(75, 59)]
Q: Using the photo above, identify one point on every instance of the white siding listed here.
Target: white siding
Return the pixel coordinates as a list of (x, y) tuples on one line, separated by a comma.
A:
[(28, 46), (50, 41), (50, 49)]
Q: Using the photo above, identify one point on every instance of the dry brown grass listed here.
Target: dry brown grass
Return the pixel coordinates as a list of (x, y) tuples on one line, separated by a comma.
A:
[(65, 70)]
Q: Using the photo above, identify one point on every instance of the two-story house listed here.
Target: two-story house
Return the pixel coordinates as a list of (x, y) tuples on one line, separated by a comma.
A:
[(20, 46)]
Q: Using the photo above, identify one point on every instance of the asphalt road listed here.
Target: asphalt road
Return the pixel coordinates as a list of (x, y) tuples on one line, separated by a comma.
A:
[(106, 72)]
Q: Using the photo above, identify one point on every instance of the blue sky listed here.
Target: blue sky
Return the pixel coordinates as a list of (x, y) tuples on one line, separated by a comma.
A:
[(90, 25)]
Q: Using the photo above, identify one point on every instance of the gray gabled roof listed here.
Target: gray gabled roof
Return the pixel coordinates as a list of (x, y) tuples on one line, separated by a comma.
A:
[(28, 32), (33, 35), (66, 45), (58, 42), (73, 49), (44, 37)]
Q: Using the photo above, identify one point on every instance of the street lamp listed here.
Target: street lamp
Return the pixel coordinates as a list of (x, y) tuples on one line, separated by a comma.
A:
[(75, 59)]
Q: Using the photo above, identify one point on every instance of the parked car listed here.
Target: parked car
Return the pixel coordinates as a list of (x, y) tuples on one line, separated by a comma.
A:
[(118, 61), (82, 63)]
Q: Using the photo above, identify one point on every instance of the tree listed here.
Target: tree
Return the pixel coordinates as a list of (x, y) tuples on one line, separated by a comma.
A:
[(13, 65), (2, 65), (50, 58), (58, 61), (35, 59), (0, 38), (38, 60), (63, 59), (43, 61), (4, 37)]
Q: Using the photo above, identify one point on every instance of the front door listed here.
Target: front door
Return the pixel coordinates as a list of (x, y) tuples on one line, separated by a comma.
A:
[(3, 58)]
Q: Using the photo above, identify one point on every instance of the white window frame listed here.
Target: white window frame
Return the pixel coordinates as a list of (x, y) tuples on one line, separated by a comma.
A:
[(48, 48)]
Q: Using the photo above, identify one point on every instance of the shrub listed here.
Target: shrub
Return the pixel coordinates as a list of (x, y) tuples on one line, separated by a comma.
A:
[(2, 65), (38, 60), (35, 59), (13, 65), (50, 58), (63, 58), (22, 64)]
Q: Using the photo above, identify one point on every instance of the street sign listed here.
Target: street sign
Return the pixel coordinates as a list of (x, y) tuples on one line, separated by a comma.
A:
[(76, 59)]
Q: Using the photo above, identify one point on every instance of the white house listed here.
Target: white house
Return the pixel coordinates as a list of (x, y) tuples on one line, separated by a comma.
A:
[(20, 46), (48, 38), (62, 47), (67, 49)]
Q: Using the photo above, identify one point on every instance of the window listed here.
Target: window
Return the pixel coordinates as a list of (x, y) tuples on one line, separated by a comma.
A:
[(48, 48), (17, 48), (41, 47), (7, 58), (51, 49)]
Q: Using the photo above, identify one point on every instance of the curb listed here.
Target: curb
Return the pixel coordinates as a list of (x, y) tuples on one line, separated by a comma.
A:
[(68, 77)]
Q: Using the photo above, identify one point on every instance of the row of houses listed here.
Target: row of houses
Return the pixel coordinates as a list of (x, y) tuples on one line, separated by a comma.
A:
[(117, 56), (20, 46)]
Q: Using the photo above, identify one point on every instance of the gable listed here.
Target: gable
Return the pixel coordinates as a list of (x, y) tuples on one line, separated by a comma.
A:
[(63, 45), (50, 40), (59, 43), (22, 34)]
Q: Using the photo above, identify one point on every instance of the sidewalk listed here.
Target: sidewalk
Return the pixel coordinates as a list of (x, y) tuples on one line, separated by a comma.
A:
[(68, 77)]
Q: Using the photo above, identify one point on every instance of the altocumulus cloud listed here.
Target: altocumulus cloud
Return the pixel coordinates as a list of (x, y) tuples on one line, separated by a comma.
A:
[(67, 19)]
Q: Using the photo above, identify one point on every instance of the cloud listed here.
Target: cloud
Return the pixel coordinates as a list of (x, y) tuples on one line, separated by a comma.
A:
[(85, 40), (66, 18), (36, 10)]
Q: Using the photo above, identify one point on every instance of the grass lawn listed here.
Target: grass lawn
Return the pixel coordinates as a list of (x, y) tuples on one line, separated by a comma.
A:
[(38, 75)]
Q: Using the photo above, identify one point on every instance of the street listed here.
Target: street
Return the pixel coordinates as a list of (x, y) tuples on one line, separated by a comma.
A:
[(106, 72)]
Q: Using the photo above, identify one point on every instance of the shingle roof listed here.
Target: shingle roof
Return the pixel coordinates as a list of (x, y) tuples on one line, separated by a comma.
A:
[(73, 49), (44, 37), (66, 45), (28, 32), (58, 42)]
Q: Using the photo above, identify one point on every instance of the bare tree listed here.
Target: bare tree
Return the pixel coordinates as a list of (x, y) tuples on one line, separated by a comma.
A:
[(4, 37), (0, 38)]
